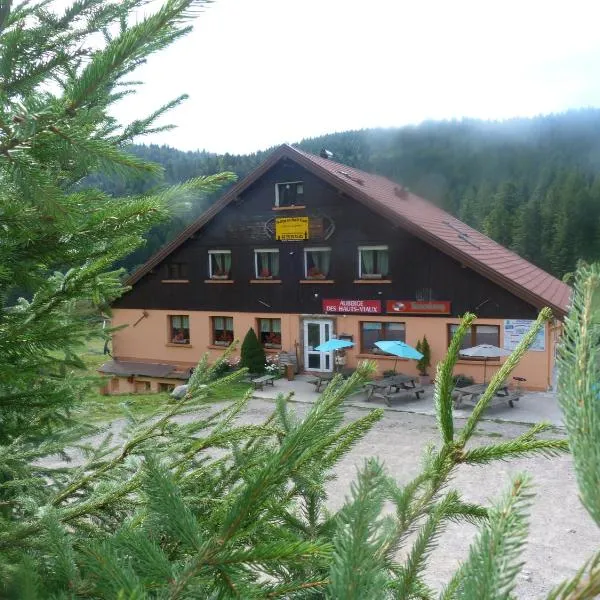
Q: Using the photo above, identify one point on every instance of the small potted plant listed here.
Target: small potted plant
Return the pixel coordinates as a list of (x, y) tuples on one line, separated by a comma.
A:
[(220, 274), (265, 274), (424, 363), (314, 273)]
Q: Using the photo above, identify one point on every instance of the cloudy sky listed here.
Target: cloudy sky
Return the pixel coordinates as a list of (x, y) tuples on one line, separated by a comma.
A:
[(263, 72)]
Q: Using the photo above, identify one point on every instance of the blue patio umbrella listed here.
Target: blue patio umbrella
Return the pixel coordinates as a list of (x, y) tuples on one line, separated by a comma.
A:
[(399, 349), (334, 344)]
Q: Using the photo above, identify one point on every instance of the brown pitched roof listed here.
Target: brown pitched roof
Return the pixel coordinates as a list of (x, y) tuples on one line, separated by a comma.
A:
[(422, 218)]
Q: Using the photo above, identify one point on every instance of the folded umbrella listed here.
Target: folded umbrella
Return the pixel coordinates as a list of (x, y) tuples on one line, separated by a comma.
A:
[(485, 351)]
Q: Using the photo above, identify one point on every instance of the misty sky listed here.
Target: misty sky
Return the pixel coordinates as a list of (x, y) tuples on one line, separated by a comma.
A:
[(263, 72)]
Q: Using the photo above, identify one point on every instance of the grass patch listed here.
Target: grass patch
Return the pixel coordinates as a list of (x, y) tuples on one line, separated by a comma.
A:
[(99, 409)]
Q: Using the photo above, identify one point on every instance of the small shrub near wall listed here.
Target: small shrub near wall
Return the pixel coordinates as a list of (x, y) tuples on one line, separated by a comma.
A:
[(253, 354)]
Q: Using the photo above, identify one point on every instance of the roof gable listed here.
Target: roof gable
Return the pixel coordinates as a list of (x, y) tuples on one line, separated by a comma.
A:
[(420, 217)]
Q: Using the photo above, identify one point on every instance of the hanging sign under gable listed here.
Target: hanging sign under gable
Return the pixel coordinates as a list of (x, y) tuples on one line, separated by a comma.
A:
[(291, 228)]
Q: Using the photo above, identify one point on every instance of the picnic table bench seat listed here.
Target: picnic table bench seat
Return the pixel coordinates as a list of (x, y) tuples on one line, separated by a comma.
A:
[(399, 382), (400, 394)]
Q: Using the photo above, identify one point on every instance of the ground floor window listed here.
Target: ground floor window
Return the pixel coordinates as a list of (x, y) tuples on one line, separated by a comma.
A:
[(477, 334), (166, 387), (372, 331), (179, 329), (222, 331), (142, 387), (269, 332)]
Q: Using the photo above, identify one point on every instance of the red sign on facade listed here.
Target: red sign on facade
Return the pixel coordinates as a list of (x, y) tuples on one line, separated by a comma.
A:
[(352, 306), (430, 307)]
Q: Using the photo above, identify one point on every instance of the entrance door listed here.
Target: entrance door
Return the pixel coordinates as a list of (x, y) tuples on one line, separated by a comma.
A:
[(316, 333)]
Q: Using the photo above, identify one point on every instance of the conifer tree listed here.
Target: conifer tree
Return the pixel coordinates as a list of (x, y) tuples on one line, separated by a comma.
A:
[(59, 238), (424, 363), (252, 354)]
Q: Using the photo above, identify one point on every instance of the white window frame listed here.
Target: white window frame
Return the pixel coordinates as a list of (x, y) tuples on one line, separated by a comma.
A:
[(286, 183), (210, 253), (256, 251), (315, 249), (361, 248)]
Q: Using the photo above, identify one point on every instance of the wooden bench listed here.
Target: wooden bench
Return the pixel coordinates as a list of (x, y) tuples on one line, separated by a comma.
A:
[(260, 382), (401, 394)]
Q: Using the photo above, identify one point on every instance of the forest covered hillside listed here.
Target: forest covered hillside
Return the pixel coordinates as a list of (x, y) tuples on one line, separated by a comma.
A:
[(531, 184)]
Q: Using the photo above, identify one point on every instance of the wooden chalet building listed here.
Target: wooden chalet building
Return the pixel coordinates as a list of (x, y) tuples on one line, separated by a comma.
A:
[(305, 248)]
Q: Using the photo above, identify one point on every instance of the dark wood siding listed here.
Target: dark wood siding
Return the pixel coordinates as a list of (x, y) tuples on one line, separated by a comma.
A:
[(416, 269)]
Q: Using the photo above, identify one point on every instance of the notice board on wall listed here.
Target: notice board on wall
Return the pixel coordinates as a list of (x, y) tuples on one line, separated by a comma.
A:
[(291, 228), (515, 330)]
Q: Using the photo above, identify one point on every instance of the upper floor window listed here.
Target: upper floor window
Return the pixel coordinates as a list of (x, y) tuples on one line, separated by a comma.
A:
[(317, 262), (222, 331), (266, 263), (219, 264), (373, 262), (269, 332), (179, 329), (477, 334), (290, 193), (176, 270), (372, 331)]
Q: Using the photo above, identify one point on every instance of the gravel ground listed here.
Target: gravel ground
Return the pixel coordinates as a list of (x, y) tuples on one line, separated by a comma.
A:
[(562, 535)]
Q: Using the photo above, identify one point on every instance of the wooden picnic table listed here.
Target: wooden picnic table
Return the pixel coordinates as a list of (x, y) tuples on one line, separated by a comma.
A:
[(322, 379), (472, 393), (387, 384)]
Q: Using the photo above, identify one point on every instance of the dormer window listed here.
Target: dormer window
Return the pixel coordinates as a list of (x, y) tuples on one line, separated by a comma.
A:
[(219, 264), (290, 193)]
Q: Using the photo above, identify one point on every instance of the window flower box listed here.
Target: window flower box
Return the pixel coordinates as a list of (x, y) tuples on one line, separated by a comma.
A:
[(371, 276)]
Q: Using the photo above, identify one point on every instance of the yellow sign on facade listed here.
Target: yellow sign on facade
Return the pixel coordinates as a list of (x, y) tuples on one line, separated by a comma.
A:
[(291, 228)]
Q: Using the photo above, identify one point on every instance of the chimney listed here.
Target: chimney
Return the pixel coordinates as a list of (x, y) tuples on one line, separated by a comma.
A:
[(325, 153), (401, 192)]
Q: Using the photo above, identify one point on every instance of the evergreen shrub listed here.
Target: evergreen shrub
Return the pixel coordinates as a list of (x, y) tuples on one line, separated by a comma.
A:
[(253, 355)]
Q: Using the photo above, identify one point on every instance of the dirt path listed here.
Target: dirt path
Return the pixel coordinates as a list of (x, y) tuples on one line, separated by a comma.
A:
[(562, 535)]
